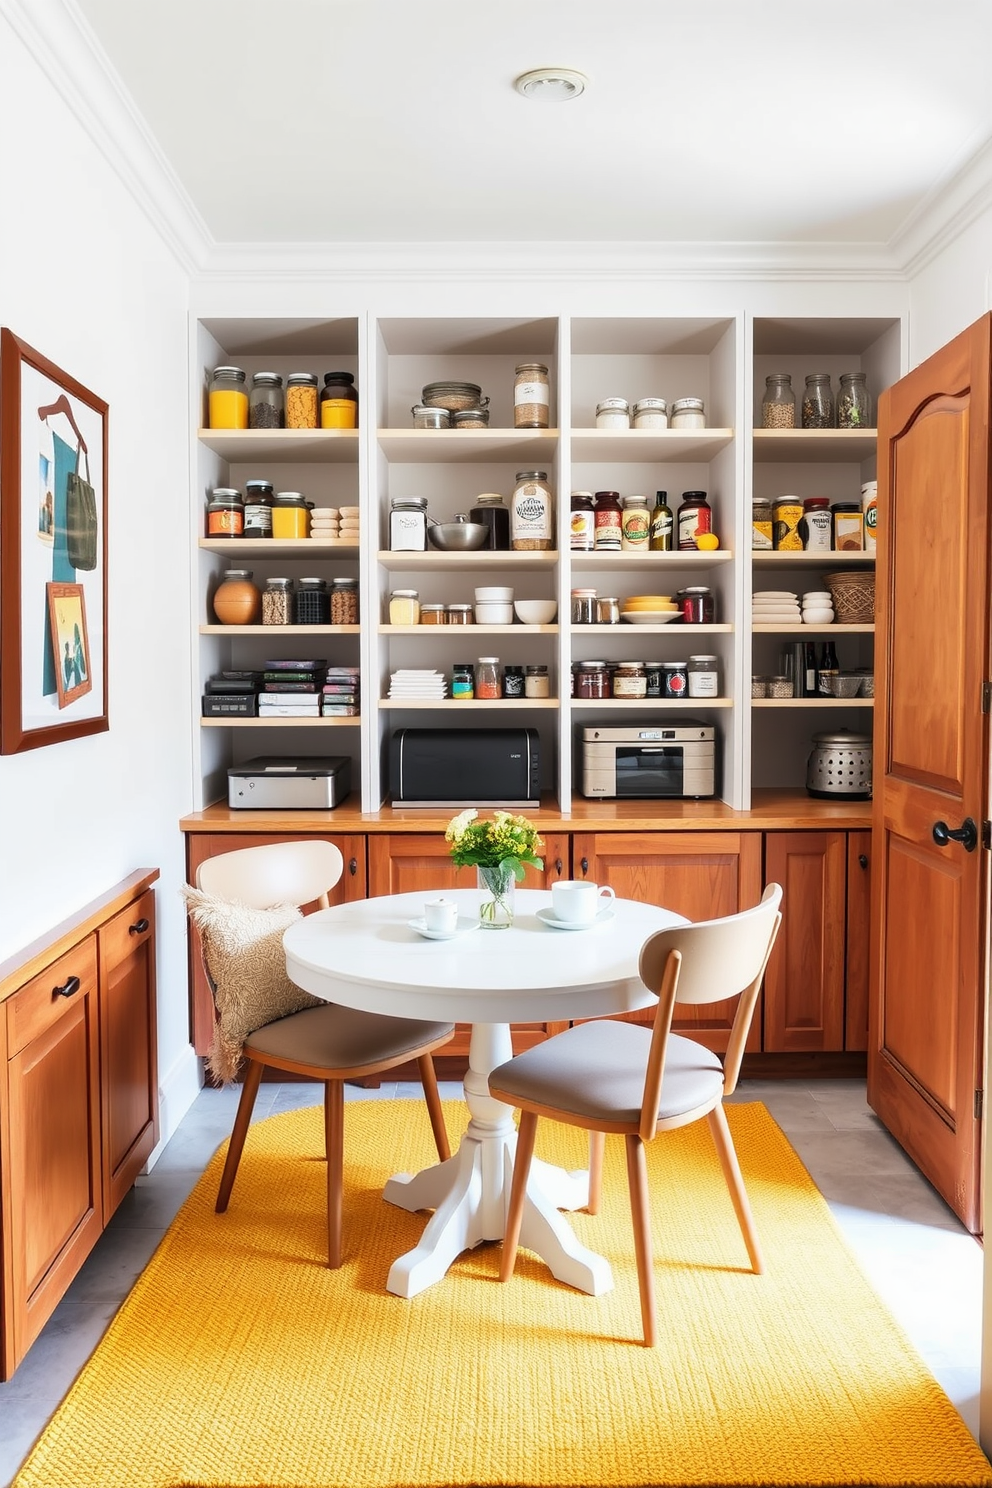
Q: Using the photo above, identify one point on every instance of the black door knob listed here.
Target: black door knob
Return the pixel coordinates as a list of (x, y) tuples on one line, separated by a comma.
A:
[(966, 834)]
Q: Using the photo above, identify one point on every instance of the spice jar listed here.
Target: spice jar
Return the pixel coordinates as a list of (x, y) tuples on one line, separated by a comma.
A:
[(613, 413), (344, 601), (488, 683), (227, 399), (630, 680), (816, 527), (277, 602), (427, 417), (338, 401), (408, 524), (225, 513), (290, 515), (404, 607), (513, 681), (490, 512), (584, 607), (460, 614), (608, 610), (650, 413), (695, 517), (687, 413), (530, 512), (312, 603), (592, 680), (237, 601), (266, 404), (536, 682), (301, 400), (531, 396), (463, 681), (258, 508), (703, 676), (661, 538), (818, 402), (433, 614), (853, 401), (697, 604), (848, 526), (674, 679), (761, 524), (635, 524), (608, 519), (583, 525), (778, 406)]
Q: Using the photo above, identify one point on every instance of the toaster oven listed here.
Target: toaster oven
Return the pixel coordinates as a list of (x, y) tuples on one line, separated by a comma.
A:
[(650, 760)]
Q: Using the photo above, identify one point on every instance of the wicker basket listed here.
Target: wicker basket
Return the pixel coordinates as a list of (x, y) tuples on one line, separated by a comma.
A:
[(853, 595)]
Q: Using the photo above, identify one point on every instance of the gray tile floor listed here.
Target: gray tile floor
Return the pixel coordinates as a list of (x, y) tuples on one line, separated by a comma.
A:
[(926, 1268)]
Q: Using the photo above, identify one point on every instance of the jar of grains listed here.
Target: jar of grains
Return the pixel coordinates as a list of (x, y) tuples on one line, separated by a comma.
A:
[(778, 406), (818, 402), (853, 402), (530, 512), (266, 402), (227, 399), (630, 680), (344, 601), (687, 413), (531, 396), (258, 508), (404, 607), (225, 513), (427, 417), (301, 400), (277, 602), (488, 683)]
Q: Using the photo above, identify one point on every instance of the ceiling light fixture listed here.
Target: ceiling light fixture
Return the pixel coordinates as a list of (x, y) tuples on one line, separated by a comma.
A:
[(551, 84)]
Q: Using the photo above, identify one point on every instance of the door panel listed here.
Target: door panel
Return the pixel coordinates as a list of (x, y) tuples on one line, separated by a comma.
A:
[(804, 983), (928, 956)]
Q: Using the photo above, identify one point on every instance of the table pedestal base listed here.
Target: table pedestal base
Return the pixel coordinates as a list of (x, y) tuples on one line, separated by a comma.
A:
[(470, 1192)]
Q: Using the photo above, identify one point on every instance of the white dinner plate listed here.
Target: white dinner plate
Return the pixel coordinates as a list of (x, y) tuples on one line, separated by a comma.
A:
[(548, 917), (465, 923), (650, 617)]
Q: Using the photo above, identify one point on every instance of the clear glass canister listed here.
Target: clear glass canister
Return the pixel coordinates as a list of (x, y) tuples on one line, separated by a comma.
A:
[(266, 402), (584, 607), (853, 401), (704, 676), (650, 413), (338, 401), (408, 524), (531, 396), (592, 680), (463, 681), (301, 400), (488, 682), (427, 417), (227, 399), (404, 607), (277, 602), (778, 406), (536, 682), (433, 614), (312, 604), (687, 413), (530, 512), (818, 402), (460, 614), (344, 601)]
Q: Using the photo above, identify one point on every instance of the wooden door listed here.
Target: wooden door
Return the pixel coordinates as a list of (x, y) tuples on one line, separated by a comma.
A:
[(701, 875), (804, 982), (931, 750), (128, 1042)]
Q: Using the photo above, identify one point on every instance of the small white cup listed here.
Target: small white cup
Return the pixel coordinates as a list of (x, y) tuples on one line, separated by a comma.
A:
[(575, 901), (441, 915)]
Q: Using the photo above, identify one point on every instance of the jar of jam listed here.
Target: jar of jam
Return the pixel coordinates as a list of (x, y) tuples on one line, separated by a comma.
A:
[(583, 526), (490, 512), (592, 680), (697, 605), (225, 513), (630, 680), (695, 516), (674, 679), (608, 519), (513, 682)]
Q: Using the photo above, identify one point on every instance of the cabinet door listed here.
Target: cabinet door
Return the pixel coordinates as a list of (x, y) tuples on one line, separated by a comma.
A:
[(50, 1130), (203, 845), (858, 919), (804, 983), (702, 875), (128, 1060)]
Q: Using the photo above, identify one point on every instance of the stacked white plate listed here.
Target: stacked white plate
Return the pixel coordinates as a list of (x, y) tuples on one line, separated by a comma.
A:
[(775, 607), (411, 683), (818, 607)]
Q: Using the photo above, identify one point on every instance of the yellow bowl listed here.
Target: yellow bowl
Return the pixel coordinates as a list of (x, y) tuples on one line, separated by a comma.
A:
[(649, 602)]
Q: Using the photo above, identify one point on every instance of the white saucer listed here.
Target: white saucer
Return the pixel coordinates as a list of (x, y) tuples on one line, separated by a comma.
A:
[(465, 923), (548, 917)]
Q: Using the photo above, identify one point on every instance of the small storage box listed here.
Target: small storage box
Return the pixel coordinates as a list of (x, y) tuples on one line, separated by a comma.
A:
[(282, 783)]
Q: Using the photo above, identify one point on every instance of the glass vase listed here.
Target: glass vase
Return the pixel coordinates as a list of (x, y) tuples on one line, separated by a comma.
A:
[(496, 907)]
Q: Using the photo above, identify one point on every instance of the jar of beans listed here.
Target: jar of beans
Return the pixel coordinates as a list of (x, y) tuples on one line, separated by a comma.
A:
[(344, 601), (818, 402), (778, 406), (266, 403), (301, 400), (277, 602), (853, 402)]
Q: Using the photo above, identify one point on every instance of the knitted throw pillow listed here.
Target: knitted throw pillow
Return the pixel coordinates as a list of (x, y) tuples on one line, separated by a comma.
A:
[(244, 958)]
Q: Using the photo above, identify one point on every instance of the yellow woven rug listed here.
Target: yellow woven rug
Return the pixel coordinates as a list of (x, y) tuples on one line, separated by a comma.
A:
[(239, 1359)]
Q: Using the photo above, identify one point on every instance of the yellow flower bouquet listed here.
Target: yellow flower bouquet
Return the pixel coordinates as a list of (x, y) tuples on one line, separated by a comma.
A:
[(499, 849)]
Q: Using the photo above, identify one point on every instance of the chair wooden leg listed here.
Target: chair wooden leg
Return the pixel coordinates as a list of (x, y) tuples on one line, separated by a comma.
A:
[(723, 1142), (334, 1148), (518, 1192), (597, 1144), (242, 1121), (431, 1095), (637, 1179)]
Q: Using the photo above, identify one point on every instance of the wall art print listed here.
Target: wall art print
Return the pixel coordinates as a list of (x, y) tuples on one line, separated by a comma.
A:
[(53, 552)]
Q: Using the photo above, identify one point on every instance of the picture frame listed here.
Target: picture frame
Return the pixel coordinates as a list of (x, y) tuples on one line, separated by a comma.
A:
[(53, 552)]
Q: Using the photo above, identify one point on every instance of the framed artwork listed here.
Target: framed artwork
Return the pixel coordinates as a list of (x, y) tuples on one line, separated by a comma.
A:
[(53, 552)]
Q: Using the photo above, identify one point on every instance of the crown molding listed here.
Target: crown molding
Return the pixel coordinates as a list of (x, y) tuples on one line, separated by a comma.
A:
[(948, 211), (58, 37)]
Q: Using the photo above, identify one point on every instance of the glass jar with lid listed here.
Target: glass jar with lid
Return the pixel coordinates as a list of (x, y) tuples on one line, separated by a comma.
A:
[(613, 413), (853, 401), (258, 508), (488, 682), (816, 525), (695, 516), (290, 515), (536, 682), (584, 607), (697, 605), (630, 680), (582, 534), (489, 511), (344, 601), (408, 524), (513, 682), (277, 602), (818, 401), (635, 524), (338, 401), (463, 681), (592, 680), (608, 518), (703, 676), (530, 512), (674, 679), (433, 614), (531, 396), (225, 513), (650, 413), (426, 416), (266, 402), (301, 400), (778, 406), (687, 413), (460, 614), (404, 607), (761, 524), (312, 604), (227, 399)]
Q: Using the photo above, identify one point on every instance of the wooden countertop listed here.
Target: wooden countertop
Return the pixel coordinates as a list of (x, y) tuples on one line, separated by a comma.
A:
[(771, 811)]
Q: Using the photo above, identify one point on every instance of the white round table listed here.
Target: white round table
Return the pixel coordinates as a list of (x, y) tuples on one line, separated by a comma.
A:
[(366, 955)]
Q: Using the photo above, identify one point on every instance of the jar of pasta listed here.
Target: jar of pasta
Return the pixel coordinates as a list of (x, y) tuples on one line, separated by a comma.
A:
[(301, 400)]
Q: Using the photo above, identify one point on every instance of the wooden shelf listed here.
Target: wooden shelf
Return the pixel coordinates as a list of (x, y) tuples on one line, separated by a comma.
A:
[(813, 702), (424, 632), (674, 627), (679, 558), (483, 559), (474, 704), (648, 445), (467, 446), (287, 446), (803, 629), (282, 631), (280, 547), (653, 705), (280, 723), (761, 558), (795, 446)]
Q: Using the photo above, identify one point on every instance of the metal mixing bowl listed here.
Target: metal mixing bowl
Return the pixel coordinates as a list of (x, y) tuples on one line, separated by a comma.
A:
[(458, 536)]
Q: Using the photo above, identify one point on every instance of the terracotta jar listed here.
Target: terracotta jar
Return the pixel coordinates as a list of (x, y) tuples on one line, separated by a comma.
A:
[(238, 601)]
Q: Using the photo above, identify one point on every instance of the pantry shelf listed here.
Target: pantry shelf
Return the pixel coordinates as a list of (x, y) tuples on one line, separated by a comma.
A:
[(280, 546), (829, 629), (279, 723), (465, 562), (649, 444), (468, 446), (813, 702), (798, 445), (630, 631), (651, 705), (424, 632), (856, 559), (287, 446), (464, 705), (678, 558), (280, 631)]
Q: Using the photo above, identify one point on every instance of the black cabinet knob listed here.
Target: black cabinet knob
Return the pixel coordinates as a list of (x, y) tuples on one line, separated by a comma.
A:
[(863, 860), (68, 988), (584, 865), (353, 866), (966, 834), (558, 866), (139, 927)]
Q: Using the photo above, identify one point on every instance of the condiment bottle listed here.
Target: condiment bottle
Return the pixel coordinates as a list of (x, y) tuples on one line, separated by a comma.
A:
[(869, 507), (635, 524), (608, 520), (661, 536), (258, 508), (583, 523), (338, 401), (695, 517), (816, 527), (827, 669), (227, 399)]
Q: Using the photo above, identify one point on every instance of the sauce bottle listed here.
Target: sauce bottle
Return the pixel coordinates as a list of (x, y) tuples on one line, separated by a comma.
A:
[(695, 516), (608, 519), (662, 530)]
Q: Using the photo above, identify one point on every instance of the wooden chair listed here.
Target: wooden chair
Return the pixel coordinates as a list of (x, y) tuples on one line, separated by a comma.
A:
[(328, 1043), (612, 1076)]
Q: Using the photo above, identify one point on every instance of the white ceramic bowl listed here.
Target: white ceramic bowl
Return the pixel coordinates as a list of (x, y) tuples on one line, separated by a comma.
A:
[(494, 614), (650, 617), (493, 595), (818, 617), (812, 596), (535, 611)]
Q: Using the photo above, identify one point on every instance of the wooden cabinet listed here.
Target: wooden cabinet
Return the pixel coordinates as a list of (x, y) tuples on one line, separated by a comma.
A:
[(701, 875), (78, 1098)]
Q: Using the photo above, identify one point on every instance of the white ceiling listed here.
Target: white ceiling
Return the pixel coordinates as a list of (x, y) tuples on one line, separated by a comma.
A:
[(705, 121)]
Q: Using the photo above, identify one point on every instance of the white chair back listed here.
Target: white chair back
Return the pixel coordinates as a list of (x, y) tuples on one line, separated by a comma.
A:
[(277, 873)]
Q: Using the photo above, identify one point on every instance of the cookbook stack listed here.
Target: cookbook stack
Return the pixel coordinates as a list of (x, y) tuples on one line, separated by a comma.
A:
[(339, 698), (291, 689)]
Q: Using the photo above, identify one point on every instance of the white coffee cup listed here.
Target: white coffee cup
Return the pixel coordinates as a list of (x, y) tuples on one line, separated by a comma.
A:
[(441, 915), (575, 901)]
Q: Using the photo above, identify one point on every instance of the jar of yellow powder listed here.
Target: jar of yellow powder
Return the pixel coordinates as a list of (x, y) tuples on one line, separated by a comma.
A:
[(227, 399)]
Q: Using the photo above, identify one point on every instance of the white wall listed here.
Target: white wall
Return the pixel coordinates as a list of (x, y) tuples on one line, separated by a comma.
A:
[(953, 291), (86, 280)]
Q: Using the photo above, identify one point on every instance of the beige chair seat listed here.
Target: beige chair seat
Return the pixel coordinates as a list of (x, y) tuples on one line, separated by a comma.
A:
[(595, 1072), (334, 1037)]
